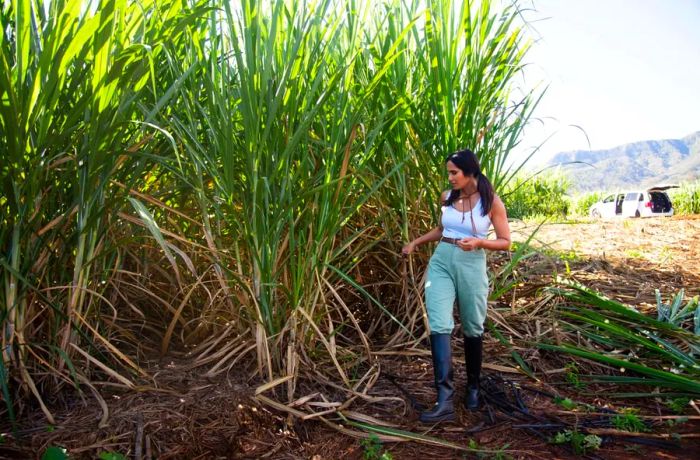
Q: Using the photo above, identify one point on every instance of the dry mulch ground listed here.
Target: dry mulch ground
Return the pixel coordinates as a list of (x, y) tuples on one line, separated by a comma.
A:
[(189, 416)]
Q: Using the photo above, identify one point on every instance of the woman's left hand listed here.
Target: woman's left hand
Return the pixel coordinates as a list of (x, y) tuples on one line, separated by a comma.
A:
[(469, 244)]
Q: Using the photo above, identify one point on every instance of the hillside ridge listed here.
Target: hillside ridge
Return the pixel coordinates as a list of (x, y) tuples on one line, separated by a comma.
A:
[(637, 164)]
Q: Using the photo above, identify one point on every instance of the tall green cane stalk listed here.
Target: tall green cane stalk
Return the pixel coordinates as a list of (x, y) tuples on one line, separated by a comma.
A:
[(72, 76)]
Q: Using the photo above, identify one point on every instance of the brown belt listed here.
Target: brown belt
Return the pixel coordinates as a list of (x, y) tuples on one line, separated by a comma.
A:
[(454, 241)]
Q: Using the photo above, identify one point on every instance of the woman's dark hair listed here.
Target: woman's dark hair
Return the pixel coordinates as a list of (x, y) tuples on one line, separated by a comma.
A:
[(467, 161)]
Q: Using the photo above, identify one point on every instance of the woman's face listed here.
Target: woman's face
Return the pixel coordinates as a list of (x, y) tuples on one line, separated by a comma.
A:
[(456, 177)]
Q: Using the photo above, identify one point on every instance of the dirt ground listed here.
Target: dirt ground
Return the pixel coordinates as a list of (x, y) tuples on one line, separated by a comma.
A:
[(189, 417), (661, 242)]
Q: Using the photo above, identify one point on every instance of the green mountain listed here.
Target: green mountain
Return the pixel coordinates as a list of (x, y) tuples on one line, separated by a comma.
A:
[(640, 164)]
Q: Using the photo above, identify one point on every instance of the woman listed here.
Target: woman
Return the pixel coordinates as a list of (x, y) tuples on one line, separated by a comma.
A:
[(457, 271)]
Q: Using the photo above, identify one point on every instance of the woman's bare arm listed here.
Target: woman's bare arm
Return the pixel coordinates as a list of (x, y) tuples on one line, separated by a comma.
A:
[(433, 235)]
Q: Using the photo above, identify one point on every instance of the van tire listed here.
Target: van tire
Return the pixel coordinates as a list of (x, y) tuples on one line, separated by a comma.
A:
[(637, 214)]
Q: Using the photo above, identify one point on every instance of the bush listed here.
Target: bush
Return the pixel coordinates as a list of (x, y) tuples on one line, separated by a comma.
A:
[(686, 199), (542, 195), (583, 203)]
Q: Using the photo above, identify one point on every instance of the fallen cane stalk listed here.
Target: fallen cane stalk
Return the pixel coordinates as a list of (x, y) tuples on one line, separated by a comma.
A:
[(614, 432)]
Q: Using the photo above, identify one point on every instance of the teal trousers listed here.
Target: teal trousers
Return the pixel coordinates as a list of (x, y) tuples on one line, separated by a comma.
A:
[(455, 274)]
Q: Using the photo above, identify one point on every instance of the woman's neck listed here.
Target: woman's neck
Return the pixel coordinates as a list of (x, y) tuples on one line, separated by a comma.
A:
[(467, 192)]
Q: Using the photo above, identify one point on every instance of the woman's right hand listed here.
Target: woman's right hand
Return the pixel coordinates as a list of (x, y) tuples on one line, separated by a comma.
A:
[(409, 248)]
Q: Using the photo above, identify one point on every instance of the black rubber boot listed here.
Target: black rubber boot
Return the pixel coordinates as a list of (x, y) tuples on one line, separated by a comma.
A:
[(443, 409), (472, 356)]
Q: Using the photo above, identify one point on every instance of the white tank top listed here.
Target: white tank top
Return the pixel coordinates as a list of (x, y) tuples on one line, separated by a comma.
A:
[(458, 224)]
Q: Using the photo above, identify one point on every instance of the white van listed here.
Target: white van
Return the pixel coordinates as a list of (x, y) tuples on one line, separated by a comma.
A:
[(636, 203)]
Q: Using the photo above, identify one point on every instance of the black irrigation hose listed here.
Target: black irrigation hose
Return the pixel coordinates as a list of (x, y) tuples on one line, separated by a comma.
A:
[(541, 426), (414, 402), (653, 442), (599, 423), (495, 396), (518, 398), (510, 410), (537, 433), (492, 417), (475, 429), (538, 391), (401, 377)]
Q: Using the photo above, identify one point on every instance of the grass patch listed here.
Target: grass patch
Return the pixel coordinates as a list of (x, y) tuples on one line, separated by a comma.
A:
[(579, 442), (372, 449), (629, 421)]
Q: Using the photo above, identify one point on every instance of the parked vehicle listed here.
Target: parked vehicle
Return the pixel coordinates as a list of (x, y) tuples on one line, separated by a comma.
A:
[(637, 203)]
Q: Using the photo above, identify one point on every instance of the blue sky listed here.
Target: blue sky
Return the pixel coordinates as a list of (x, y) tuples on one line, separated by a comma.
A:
[(623, 70)]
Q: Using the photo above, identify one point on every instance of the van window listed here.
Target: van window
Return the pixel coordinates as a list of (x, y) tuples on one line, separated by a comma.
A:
[(632, 196), (608, 199)]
